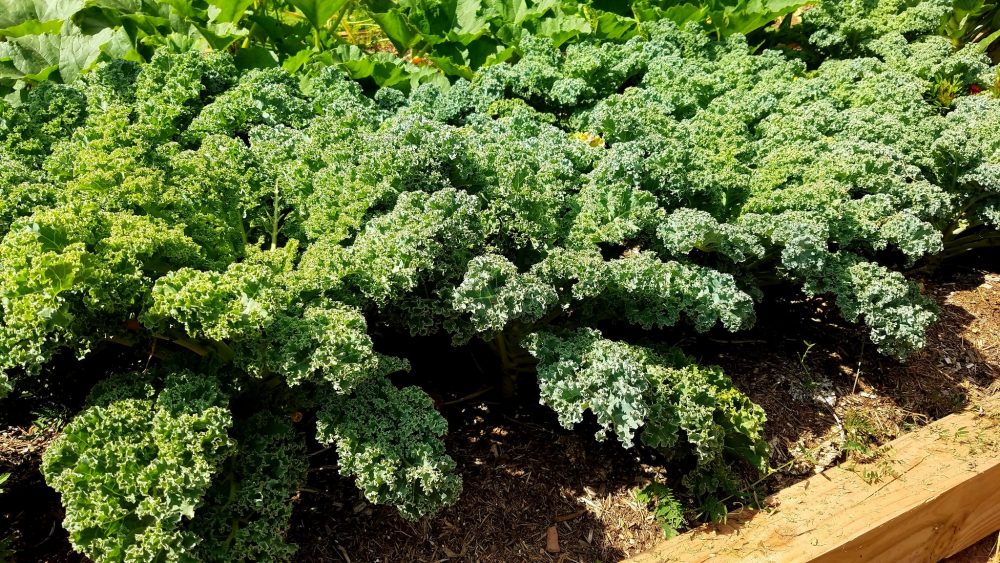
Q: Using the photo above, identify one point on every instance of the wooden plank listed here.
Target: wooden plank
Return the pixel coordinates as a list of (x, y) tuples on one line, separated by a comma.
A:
[(939, 494)]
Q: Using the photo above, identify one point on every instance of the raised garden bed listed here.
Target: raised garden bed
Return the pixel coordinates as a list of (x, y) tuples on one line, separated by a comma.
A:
[(928, 495), (524, 474)]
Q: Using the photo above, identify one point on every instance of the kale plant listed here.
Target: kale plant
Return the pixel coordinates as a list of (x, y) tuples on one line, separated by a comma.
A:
[(245, 237)]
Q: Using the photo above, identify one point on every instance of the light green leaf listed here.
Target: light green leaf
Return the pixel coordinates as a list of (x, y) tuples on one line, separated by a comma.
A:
[(470, 21), (294, 63), (120, 46), (31, 27), (78, 52), (396, 27), (30, 55), (564, 27), (229, 10), (221, 36), (15, 12)]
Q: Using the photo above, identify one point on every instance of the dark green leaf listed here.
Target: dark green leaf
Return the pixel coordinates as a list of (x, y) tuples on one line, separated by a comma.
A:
[(396, 27), (255, 57), (318, 12)]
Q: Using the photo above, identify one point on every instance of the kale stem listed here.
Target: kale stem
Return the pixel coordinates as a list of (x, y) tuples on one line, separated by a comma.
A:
[(276, 217)]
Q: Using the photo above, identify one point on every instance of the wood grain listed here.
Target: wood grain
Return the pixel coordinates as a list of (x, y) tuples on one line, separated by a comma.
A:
[(939, 493)]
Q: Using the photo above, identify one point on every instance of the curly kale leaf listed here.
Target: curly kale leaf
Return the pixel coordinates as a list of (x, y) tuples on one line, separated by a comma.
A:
[(71, 275), (246, 513), (132, 471), (219, 306), (422, 237), (630, 387), (327, 343), (389, 440)]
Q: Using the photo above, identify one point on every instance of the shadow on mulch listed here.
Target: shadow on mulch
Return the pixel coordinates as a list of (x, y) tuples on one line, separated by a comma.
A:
[(30, 513), (829, 380), (986, 550), (520, 477)]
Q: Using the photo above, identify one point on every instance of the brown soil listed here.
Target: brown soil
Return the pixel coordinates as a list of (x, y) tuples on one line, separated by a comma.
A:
[(986, 551), (520, 478), (829, 386), (829, 397), (30, 513)]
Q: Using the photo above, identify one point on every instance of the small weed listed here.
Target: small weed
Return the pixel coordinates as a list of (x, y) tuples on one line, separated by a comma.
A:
[(881, 470), (713, 510), (864, 456), (861, 434), (804, 354), (875, 466), (666, 509), (50, 416), (809, 383), (944, 91)]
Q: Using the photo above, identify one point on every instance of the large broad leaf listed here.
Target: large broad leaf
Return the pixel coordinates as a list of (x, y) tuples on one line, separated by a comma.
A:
[(228, 11), (750, 15), (457, 59), (563, 26), (35, 56), (679, 14), (183, 8), (121, 47), (293, 63), (255, 57), (383, 69), (16, 12), (613, 6), (396, 27), (78, 52), (433, 18), (318, 12), (32, 55), (117, 5), (221, 36), (469, 18), (429, 22), (614, 27)]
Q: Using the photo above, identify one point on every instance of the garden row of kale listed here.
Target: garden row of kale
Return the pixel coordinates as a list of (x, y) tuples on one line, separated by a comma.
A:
[(242, 235)]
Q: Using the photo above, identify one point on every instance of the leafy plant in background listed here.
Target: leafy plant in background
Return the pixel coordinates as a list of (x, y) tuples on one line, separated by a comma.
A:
[(41, 40), (973, 21), (722, 17), (460, 36)]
